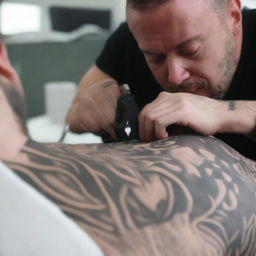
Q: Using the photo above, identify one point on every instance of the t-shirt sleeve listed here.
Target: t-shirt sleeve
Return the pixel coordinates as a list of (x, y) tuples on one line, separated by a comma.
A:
[(111, 59)]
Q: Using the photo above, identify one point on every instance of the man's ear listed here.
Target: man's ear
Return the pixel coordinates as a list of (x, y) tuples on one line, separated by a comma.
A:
[(234, 16)]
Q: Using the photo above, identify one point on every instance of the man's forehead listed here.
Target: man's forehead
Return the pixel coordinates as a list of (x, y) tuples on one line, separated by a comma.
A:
[(167, 18), (170, 31), (144, 4), (141, 5)]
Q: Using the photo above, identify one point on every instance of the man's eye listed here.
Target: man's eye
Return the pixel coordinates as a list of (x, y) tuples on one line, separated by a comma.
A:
[(155, 59), (189, 53)]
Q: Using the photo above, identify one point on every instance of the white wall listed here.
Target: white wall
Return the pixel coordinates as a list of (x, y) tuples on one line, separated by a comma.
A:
[(116, 6), (249, 3)]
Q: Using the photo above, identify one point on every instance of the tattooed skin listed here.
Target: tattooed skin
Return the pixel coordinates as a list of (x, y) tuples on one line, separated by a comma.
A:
[(186, 195)]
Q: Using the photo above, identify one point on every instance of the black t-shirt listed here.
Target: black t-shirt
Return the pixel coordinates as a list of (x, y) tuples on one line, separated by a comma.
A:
[(122, 60), (243, 86)]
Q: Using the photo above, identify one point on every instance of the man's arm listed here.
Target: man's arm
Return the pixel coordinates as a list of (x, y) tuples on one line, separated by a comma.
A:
[(98, 90), (204, 115), (188, 195), (97, 96)]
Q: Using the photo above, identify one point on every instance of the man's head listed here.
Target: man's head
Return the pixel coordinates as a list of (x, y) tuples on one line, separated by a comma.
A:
[(192, 46)]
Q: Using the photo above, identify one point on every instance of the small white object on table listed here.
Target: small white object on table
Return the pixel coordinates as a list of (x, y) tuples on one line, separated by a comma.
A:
[(41, 129)]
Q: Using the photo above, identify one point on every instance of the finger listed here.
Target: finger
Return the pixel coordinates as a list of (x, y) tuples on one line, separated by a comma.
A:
[(109, 113), (159, 118), (92, 119), (146, 130), (111, 132), (164, 104), (146, 126), (160, 128)]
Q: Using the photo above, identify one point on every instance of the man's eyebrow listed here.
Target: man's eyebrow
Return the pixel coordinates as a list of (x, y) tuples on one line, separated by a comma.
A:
[(149, 52), (187, 41)]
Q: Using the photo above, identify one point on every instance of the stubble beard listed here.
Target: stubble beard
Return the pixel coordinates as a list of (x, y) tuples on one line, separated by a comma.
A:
[(226, 67)]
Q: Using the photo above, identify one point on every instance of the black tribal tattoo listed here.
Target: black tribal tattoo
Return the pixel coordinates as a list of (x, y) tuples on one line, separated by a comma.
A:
[(188, 195)]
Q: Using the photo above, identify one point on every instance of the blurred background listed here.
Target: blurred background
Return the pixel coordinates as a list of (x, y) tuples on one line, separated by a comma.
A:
[(55, 40), (51, 44)]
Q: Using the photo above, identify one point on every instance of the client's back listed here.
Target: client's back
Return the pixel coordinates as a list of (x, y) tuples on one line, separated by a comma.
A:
[(187, 195)]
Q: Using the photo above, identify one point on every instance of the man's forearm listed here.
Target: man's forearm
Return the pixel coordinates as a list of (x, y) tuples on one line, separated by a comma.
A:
[(244, 115)]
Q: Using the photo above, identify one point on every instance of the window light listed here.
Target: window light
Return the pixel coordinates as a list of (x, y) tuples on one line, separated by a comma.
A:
[(20, 18)]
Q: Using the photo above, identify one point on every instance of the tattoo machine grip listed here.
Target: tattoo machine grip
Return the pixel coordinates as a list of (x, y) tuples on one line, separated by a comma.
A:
[(126, 120)]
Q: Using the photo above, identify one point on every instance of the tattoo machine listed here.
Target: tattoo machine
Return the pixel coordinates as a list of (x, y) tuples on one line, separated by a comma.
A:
[(126, 120)]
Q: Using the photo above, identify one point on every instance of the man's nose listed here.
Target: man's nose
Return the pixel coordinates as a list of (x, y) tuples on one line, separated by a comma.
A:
[(177, 71)]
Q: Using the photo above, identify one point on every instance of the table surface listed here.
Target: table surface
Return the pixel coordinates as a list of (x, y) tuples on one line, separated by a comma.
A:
[(41, 129)]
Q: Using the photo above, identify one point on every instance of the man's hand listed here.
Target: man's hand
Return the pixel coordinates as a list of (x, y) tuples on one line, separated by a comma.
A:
[(94, 109), (202, 114)]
